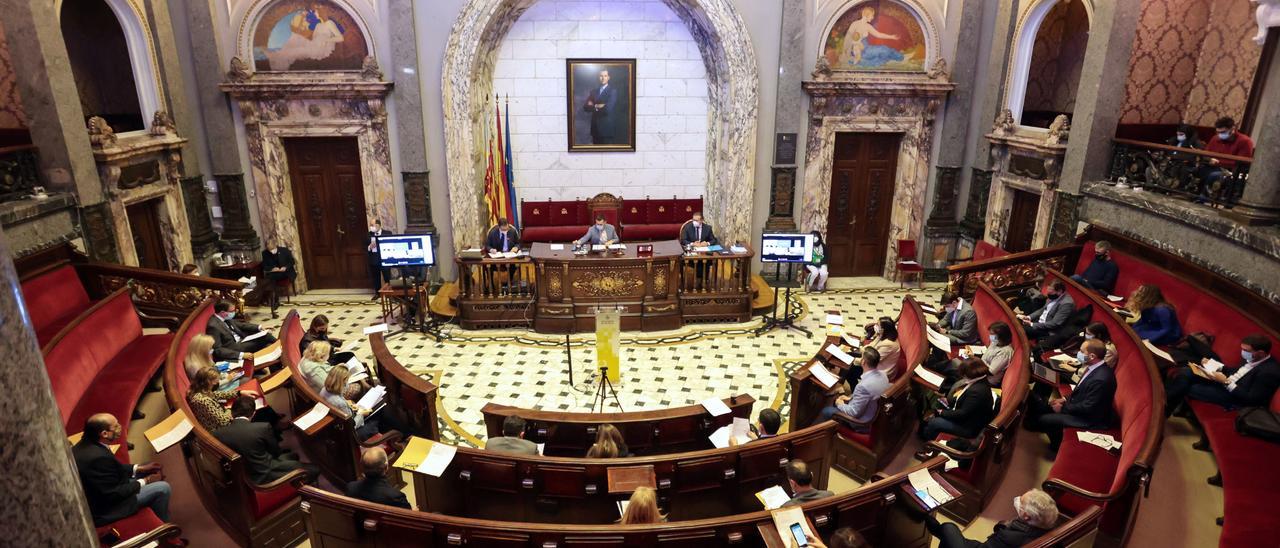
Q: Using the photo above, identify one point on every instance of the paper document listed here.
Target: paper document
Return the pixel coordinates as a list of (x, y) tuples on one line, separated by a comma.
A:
[(715, 406), (737, 249), (495, 254), (1105, 441), (310, 418), (951, 464), (720, 438), (1115, 298), (413, 453), (541, 448), (248, 280), (259, 334), (740, 428), (835, 319), (510, 254), (380, 328), (1062, 358), (825, 377), (373, 397), (1155, 350), (839, 354), (929, 376), (169, 431), (598, 247), (939, 340), (702, 248), (851, 340), (354, 365), (622, 507), (928, 309), (1213, 366), (784, 518), (927, 488), (773, 497), (909, 262), (438, 458), (350, 346), (617, 246), (557, 247), (357, 377), (268, 354)]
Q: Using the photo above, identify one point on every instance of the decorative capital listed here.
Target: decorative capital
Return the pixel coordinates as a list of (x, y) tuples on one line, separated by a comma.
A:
[(369, 69), (1058, 130), (1004, 123), (939, 70), (100, 133), (239, 71), (162, 124), (823, 67)]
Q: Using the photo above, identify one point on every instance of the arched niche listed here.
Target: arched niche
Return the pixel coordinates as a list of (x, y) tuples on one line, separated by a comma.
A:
[(1036, 67), (333, 15), (140, 52), (920, 15), (732, 79)]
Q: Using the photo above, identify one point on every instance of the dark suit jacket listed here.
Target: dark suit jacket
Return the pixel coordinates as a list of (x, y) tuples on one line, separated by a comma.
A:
[(256, 444), (374, 257), (603, 121), (108, 484), (690, 234), (1256, 388), (964, 330), (280, 258), (1013, 534), (974, 409), (308, 338), (1062, 309), (1093, 398), (376, 489), (494, 239), (224, 336)]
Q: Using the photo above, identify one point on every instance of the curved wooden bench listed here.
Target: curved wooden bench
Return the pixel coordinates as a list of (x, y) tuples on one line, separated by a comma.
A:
[(1084, 475), (411, 398), (655, 432), (252, 514), (880, 511), (987, 463), (715, 482)]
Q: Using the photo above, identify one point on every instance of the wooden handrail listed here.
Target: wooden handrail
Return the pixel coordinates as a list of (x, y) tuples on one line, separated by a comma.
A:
[(1183, 150)]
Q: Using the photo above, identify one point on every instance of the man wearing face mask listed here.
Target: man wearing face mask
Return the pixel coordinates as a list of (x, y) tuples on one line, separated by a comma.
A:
[(696, 233), (958, 321), (1101, 274), (1185, 137), (1037, 515), (1226, 140), (1088, 405), (114, 490), (1251, 384), (233, 339), (1053, 315)]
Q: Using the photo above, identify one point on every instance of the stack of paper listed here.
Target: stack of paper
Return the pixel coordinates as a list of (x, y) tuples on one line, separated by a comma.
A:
[(1062, 358), (839, 354), (738, 431), (1105, 441), (438, 459), (268, 354), (737, 249), (372, 398), (1155, 350), (851, 340), (825, 377), (773, 497), (929, 376), (939, 340), (357, 369), (380, 328), (1213, 366), (169, 431), (310, 418), (927, 488), (715, 406), (835, 319)]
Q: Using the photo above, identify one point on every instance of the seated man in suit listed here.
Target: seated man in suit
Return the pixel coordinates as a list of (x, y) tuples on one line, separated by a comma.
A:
[(277, 265), (1251, 384), (114, 490), (512, 438), (800, 479), (601, 233), (697, 233), (1037, 515), (229, 334), (374, 486), (767, 424), (1088, 406), (1101, 274), (862, 403), (256, 443), (1053, 315), (502, 238), (957, 320)]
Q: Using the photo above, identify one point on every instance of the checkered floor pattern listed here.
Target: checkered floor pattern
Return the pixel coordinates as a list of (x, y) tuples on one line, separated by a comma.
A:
[(527, 369)]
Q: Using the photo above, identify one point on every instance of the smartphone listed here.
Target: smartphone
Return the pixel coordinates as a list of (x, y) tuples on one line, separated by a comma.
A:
[(798, 532)]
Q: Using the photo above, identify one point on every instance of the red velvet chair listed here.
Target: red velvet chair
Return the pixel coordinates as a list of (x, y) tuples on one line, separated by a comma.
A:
[(907, 262)]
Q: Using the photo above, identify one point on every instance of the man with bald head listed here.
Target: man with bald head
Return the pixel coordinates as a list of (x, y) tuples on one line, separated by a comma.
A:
[(115, 490), (374, 486)]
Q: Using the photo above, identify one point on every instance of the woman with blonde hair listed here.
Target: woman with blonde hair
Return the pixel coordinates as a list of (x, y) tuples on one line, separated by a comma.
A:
[(315, 364), (1157, 320), (199, 355), (343, 395), (643, 508), (208, 403), (611, 433)]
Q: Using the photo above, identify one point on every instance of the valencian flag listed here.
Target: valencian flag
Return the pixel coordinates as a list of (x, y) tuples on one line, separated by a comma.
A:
[(495, 187), (508, 170)]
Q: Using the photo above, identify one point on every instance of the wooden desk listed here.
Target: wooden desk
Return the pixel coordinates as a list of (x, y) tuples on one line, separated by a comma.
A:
[(236, 271)]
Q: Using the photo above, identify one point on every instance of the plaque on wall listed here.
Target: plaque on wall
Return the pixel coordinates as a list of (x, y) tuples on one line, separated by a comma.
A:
[(784, 148)]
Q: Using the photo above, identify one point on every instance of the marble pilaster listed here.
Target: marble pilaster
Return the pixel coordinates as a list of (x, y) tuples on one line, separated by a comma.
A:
[(203, 239), (40, 496), (172, 85), (410, 134), (1260, 203), (993, 94), (1101, 92)]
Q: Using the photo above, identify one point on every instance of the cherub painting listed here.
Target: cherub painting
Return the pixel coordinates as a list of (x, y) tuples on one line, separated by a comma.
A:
[(878, 35), (313, 35)]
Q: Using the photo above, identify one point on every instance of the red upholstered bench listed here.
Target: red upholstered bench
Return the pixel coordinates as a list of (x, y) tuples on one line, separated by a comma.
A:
[(639, 220), (1249, 478), (657, 219), (139, 529), (53, 300), (553, 221), (985, 250)]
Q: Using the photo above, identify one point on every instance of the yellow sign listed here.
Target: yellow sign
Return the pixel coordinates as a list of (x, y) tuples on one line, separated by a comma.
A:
[(608, 342)]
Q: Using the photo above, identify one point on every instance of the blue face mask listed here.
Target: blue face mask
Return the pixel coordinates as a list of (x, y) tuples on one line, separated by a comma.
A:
[(993, 339), (230, 316), (1088, 336), (1246, 355), (1082, 357), (1224, 135)]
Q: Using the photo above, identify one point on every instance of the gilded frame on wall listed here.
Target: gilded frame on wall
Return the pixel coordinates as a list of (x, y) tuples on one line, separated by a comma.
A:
[(601, 95)]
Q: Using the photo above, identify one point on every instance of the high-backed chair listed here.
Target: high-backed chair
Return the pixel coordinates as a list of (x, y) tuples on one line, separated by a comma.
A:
[(908, 263), (608, 205)]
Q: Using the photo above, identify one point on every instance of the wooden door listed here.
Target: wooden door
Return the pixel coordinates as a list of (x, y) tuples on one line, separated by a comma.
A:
[(328, 196), (1022, 221), (863, 172), (144, 225)]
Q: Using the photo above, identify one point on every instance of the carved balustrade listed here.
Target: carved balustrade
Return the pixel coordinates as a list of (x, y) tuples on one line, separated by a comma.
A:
[(1178, 172)]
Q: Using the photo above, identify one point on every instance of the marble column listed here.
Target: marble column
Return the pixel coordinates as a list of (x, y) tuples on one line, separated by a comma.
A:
[(789, 116), (992, 102), (40, 495), (410, 133), (219, 125), (50, 98), (1100, 93), (1260, 203), (169, 73)]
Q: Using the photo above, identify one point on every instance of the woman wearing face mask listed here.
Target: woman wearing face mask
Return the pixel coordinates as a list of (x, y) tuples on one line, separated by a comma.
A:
[(817, 266), (1185, 137), (886, 344), (969, 405), (1099, 331), (319, 331)]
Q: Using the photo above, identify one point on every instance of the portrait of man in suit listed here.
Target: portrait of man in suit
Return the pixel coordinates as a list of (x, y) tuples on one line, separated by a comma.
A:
[(601, 104)]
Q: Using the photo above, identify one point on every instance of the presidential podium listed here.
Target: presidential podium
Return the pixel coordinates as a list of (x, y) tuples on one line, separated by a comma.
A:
[(555, 290)]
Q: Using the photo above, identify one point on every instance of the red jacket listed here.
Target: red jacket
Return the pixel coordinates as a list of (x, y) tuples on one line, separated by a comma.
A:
[(1238, 145)]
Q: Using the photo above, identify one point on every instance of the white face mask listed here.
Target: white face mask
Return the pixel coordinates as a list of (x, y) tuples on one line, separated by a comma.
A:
[(993, 339), (879, 329), (1181, 137), (1224, 135), (697, 223)]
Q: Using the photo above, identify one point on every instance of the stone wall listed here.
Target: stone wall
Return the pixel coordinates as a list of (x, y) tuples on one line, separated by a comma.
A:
[(671, 110), (11, 114)]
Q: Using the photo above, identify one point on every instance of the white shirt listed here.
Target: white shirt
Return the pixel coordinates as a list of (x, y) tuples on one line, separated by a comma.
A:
[(1240, 373)]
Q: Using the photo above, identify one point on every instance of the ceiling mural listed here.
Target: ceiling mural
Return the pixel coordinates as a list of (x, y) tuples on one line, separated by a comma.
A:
[(878, 35), (294, 35)]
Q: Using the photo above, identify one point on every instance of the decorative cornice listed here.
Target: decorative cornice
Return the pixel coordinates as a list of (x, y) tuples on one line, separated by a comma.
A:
[(130, 146), (1031, 142), (316, 86), (915, 86)]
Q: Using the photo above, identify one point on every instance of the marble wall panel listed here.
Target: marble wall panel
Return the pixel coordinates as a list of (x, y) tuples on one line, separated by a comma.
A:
[(11, 113)]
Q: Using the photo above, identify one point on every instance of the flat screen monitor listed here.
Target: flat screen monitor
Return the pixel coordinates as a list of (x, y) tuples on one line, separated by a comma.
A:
[(406, 250), (786, 248)]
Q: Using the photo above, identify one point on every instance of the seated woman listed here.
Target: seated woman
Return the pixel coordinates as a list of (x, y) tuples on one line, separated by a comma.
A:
[(315, 366), (968, 407), (210, 404), (1099, 331), (199, 355), (338, 393), (319, 331), (886, 343), (603, 449), (611, 433), (642, 508), (1157, 320), (999, 352)]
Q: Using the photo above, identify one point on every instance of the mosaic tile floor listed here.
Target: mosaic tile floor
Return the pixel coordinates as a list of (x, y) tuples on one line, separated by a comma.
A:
[(664, 369)]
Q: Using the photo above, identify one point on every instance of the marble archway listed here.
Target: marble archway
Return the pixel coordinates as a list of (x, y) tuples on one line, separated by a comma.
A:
[(732, 101)]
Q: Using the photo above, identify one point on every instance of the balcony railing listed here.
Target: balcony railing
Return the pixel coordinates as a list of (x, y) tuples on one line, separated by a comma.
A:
[(1179, 172)]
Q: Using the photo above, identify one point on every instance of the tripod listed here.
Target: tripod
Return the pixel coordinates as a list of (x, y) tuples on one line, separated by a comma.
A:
[(788, 320), (604, 389)]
